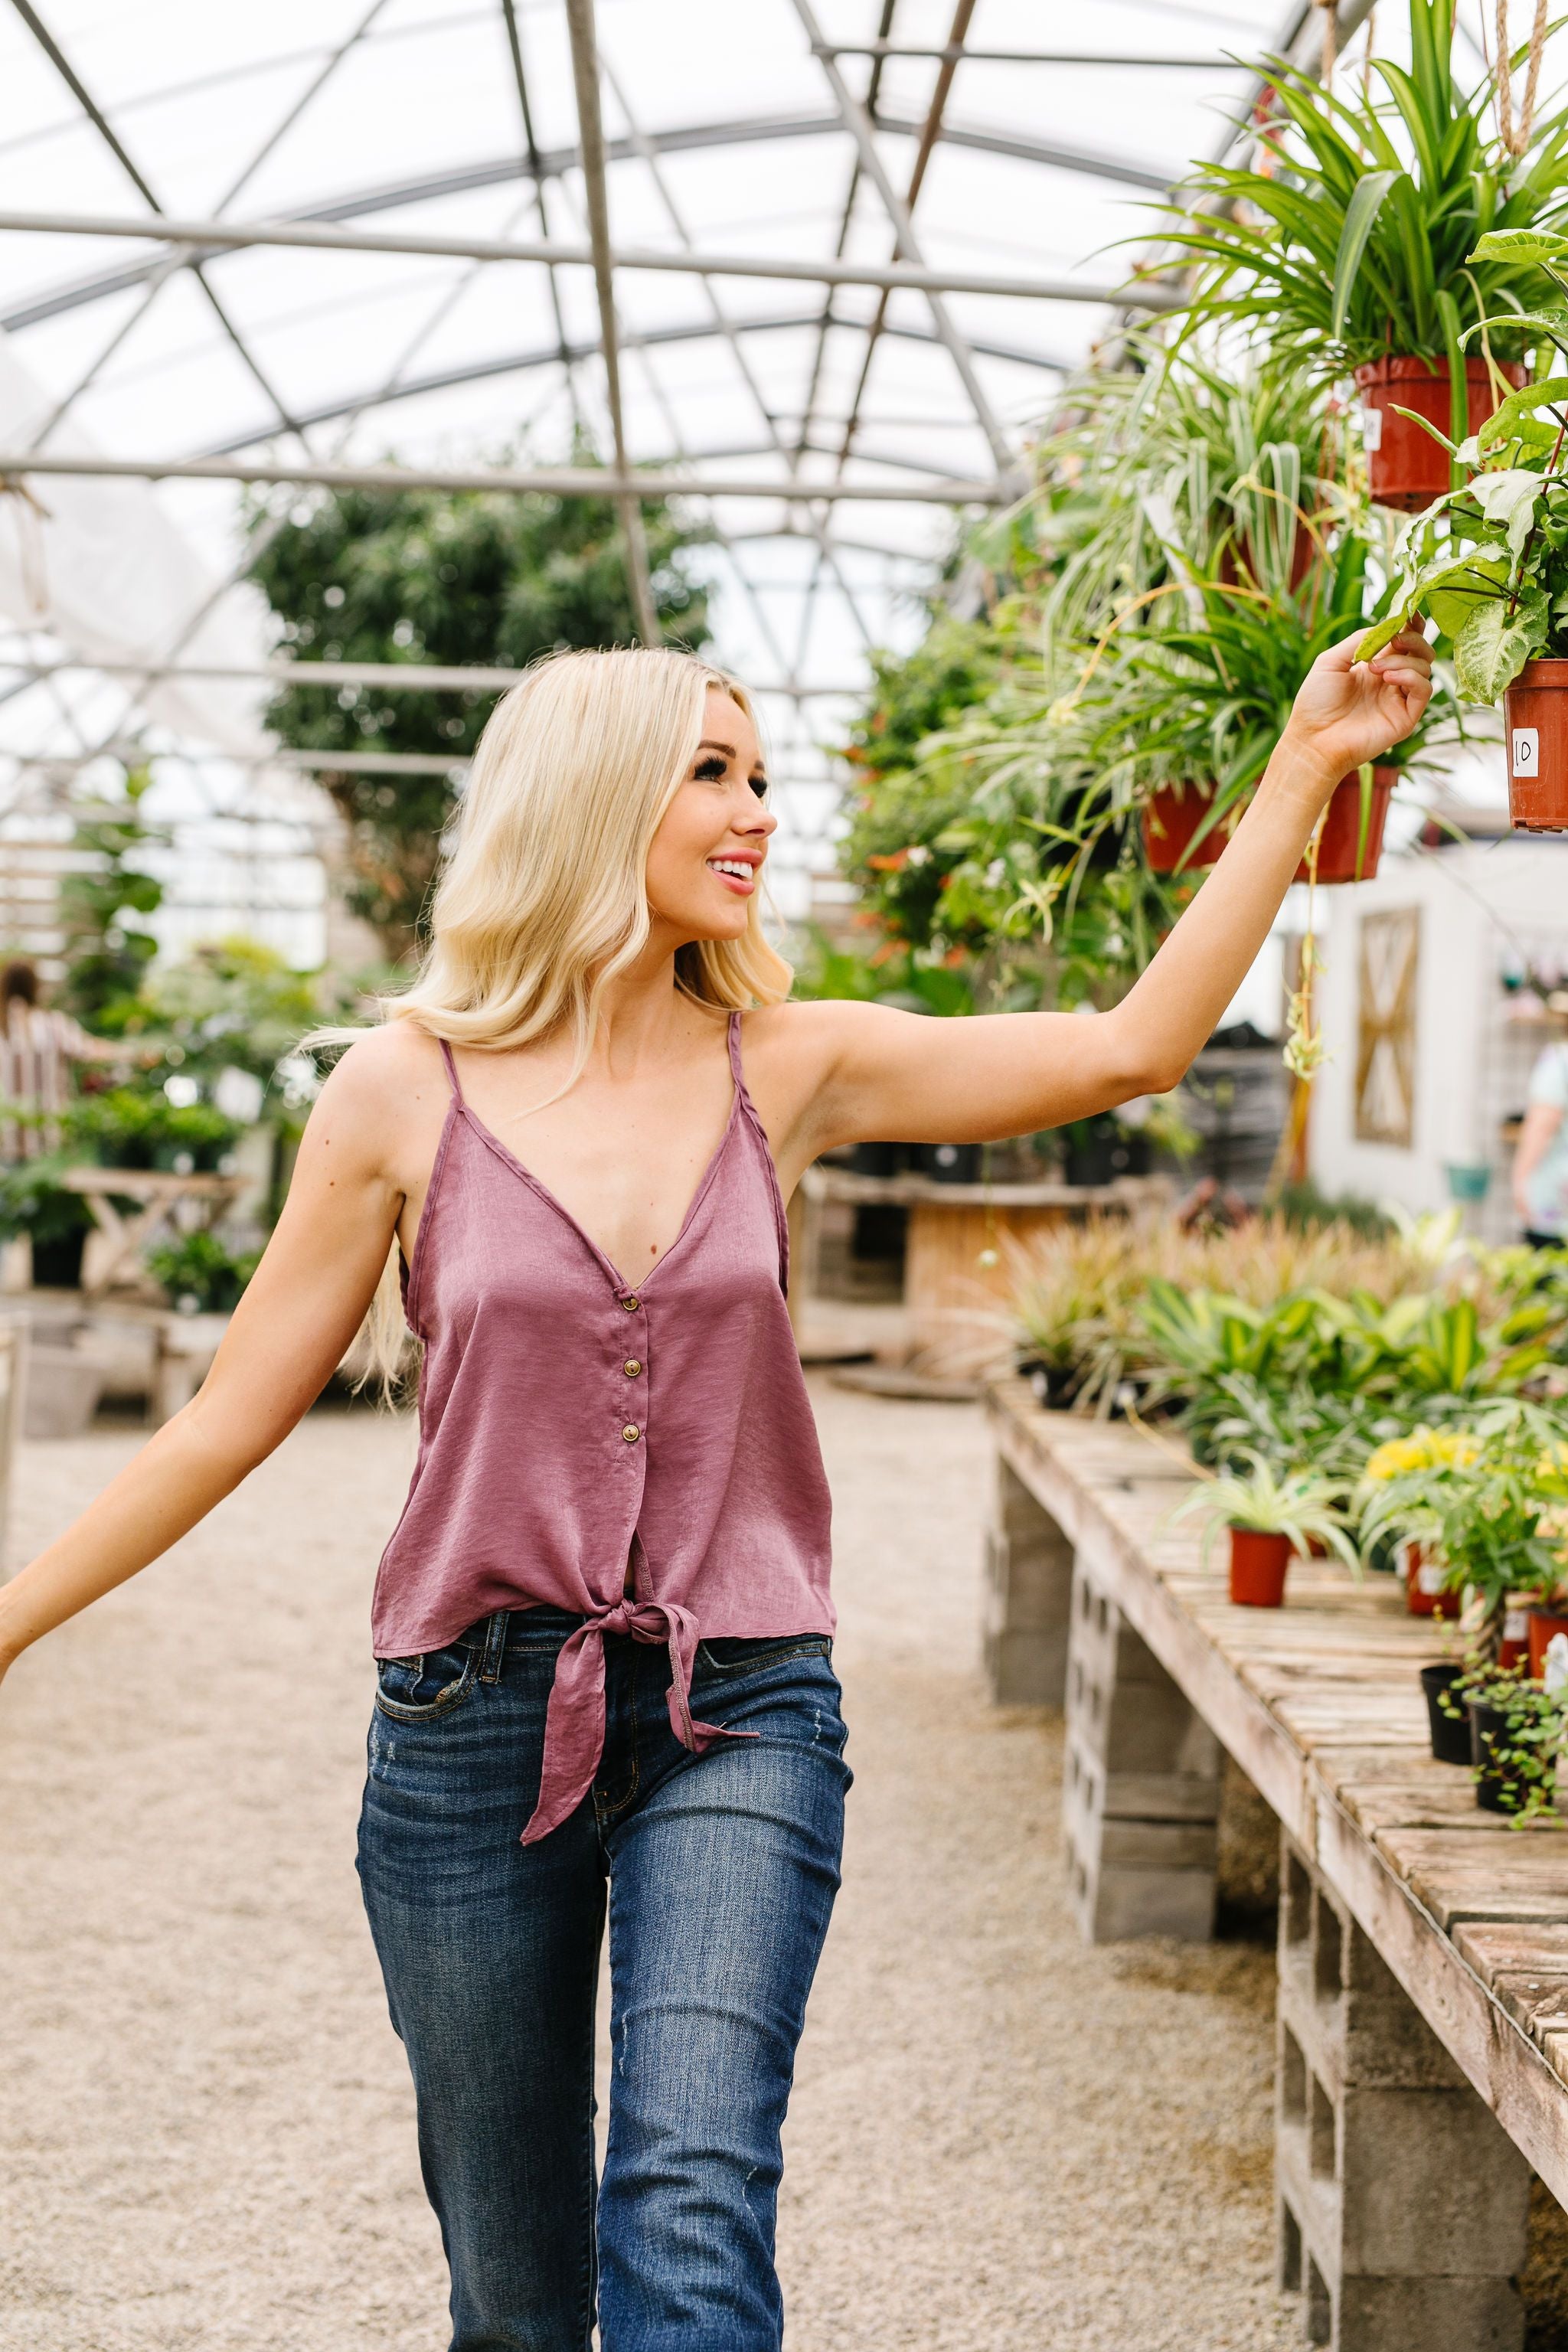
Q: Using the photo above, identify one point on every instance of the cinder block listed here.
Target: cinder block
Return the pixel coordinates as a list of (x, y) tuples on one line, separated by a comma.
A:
[(1402, 2203), (1028, 1596), (1141, 1784)]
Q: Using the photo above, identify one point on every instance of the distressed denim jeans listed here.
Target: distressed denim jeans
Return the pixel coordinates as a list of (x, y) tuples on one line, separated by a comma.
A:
[(720, 1872)]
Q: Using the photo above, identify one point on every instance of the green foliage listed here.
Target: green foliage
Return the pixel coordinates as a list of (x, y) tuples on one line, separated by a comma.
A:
[(32, 1200), (201, 1273), (1519, 1754), (1492, 1512), (444, 577), (1490, 562), (917, 694), (1358, 238), (122, 1127), (232, 1001), (107, 948), (1304, 1505)]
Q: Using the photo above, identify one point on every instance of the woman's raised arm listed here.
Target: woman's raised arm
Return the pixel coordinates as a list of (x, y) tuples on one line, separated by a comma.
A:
[(886, 1073), (289, 1331)]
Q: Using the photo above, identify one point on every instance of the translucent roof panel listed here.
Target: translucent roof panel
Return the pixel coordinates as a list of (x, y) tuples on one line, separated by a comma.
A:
[(786, 133)]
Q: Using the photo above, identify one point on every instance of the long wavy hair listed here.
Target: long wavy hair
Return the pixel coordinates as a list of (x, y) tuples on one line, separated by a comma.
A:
[(543, 898)]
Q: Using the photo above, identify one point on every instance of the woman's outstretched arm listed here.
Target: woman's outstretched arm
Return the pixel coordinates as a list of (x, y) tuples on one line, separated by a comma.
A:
[(289, 1332), (886, 1073)]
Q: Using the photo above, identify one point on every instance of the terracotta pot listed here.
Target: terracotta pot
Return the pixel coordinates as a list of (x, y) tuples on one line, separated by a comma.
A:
[(1304, 553), (1408, 469), (1423, 1593), (1513, 1648), (1541, 1625), (1450, 1734), (1535, 725), (1170, 822), (1258, 1566), (1341, 838)]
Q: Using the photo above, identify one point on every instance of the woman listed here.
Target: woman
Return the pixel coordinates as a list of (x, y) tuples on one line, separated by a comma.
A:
[(601, 1624), (37, 1046), (1540, 1155)]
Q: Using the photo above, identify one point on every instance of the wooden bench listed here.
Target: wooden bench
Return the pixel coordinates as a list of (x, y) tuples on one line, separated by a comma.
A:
[(1422, 2034)]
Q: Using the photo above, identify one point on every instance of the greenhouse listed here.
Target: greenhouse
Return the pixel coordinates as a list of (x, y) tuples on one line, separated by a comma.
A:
[(783, 1176)]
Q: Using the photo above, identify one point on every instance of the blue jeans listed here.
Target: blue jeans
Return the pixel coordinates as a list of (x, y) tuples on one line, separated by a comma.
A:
[(720, 1872)]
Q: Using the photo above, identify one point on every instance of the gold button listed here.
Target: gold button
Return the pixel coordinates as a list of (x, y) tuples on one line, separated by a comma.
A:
[(631, 1367), (631, 1305), (631, 1433)]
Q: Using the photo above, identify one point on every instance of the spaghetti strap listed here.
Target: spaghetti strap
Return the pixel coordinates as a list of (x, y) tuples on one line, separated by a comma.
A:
[(451, 1069), (735, 1052)]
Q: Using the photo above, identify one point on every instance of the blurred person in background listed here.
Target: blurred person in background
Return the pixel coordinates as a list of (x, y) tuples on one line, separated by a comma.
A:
[(1540, 1155), (37, 1048)]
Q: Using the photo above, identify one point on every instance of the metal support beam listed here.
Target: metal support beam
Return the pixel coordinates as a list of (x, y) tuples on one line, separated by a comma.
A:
[(549, 481), (207, 237), (857, 124), (591, 134), (949, 54), (413, 678)]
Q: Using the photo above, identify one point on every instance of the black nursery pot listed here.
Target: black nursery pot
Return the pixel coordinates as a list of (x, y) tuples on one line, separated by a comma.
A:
[(880, 1159), (1450, 1734), (1489, 1726)]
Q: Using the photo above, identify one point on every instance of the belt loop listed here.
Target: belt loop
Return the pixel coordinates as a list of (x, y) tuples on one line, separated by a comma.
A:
[(495, 1645)]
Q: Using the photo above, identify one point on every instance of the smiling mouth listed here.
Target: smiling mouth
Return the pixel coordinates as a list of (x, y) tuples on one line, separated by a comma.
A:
[(733, 870)]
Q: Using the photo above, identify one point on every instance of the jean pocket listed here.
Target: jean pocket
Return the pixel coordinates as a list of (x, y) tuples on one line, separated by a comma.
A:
[(744, 1654), (418, 1689)]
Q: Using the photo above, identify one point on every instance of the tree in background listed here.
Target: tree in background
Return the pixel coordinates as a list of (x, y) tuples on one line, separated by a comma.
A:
[(470, 577), (108, 947)]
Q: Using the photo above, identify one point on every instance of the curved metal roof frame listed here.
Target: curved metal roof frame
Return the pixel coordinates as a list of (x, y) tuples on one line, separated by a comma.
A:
[(810, 450)]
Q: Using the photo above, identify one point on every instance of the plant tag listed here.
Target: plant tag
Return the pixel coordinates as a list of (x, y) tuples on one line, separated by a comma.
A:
[(1524, 752), (1372, 428), (1429, 1576), (1515, 1625)]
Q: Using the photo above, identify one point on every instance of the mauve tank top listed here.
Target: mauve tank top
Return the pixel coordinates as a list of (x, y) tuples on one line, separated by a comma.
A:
[(568, 1418)]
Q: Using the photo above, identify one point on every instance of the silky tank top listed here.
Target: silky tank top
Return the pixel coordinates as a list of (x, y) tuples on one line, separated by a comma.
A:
[(570, 1418)]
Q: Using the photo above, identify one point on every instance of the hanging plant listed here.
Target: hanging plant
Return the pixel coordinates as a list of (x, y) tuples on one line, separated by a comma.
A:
[(1352, 245), (1488, 562)]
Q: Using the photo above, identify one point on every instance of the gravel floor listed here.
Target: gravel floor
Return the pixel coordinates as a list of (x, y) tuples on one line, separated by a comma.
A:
[(998, 2139)]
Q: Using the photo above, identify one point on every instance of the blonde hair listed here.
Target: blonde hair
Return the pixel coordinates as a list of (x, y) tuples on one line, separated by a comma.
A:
[(542, 901)]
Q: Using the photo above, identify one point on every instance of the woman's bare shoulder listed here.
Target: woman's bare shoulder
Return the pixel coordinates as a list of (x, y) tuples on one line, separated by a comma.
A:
[(383, 1090)]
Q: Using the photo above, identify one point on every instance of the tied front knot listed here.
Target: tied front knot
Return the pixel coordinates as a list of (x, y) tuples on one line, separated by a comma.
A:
[(575, 1719)]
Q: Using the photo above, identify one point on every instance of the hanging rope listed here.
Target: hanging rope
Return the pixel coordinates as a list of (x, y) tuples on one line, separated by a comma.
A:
[(1330, 9), (1515, 136)]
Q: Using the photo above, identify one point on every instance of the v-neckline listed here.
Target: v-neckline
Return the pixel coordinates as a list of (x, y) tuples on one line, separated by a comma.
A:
[(488, 1135)]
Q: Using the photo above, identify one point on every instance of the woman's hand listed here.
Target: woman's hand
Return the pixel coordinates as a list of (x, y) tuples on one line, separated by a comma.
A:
[(1347, 712)]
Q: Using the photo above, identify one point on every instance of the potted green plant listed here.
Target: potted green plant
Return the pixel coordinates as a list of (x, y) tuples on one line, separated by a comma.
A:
[(1486, 1514), (127, 1127), (1516, 1731), (1269, 1515), (1189, 711), (1488, 561), (1350, 245)]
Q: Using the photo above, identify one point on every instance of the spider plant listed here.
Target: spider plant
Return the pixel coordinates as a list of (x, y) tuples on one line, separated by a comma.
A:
[(1305, 1506), (1354, 235), (1201, 698)]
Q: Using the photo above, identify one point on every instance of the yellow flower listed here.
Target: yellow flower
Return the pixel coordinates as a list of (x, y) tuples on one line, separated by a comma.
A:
[(1424, 1449)]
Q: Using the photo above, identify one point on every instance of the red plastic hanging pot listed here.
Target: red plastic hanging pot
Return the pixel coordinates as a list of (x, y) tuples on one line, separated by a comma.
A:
[(1535, 722), (1543, 1624), (1408, 469), (1258, 1566), (1169, 821), (1346, 852)]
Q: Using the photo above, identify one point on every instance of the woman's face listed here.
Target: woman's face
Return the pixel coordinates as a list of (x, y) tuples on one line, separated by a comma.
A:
[(705, 860)]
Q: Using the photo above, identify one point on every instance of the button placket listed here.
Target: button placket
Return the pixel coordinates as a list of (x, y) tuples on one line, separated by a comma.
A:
[(632, 1368)]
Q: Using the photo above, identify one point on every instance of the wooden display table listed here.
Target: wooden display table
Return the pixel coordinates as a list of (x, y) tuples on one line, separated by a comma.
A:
[(957, 1306), (162, 1199), (1423, 2005)]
